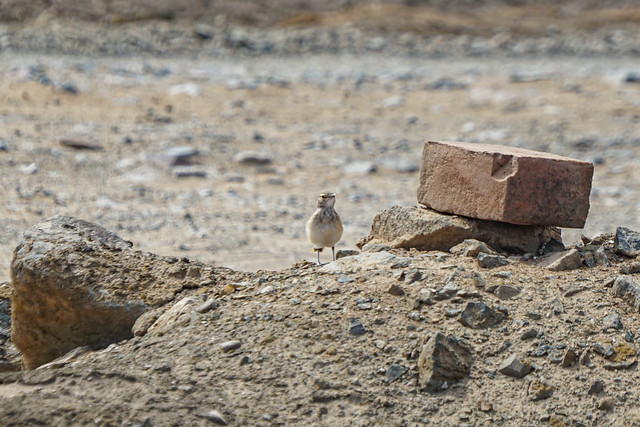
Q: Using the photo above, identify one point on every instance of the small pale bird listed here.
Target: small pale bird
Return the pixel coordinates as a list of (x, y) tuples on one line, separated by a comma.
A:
[(324, 228)]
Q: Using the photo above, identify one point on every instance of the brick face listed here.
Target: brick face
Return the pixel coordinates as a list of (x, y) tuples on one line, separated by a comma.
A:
[(499, 183)]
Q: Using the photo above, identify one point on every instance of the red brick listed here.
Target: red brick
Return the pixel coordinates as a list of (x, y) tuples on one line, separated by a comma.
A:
[(499, 183)]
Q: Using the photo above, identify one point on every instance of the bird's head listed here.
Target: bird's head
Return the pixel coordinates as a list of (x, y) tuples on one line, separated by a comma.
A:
[(326, 200)]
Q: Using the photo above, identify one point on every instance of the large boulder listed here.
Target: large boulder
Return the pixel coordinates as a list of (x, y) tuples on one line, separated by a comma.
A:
[(507, 184), (77, 284), (425, 229)]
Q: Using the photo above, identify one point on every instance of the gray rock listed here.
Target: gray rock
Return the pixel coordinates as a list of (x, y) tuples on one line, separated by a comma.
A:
[(206, 306), (556, 307), (359, 168), (491, 261), (603, 349), (5, 319), (396, 290), (30, 169), (569, 359), (214, 416), (627, 242), (230, 345), (632, 268), (561, 261), (471, 247), (77, 284), (443, 361), (529, 334), (506, 292), (356, 328), (628, 289), (612, 321), (179, 156), (601, 257), (253, 158), (478, 280), (425, 229), (606, 404), (478, 315), (514, 367), (393, 101), (342, 253), (394, 372), (540, 389), (597, 387)]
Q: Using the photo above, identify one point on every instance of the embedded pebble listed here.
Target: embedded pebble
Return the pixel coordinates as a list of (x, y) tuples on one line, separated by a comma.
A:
[(230, 345)]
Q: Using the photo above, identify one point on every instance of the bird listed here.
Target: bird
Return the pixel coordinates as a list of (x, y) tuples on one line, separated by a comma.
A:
[(324, 228)]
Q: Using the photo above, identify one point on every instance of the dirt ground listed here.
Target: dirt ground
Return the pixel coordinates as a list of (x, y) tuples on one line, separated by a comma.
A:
[(94, 135)]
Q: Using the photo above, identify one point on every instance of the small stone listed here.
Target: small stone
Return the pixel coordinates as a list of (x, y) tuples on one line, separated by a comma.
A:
[(360, 167), (529, 334), (606, 404), (512, 366), (612, 321), (254, 158), (442, 362), (596, 388), (215, 417), (81, 142), (478, 280), (506, 292), (540, 389), (533, 315), (356, 328), (491, 261), (628, 336), (192, 90), (269, 289), (228, 346), (412, 276), (585, 359), (478, 315), (394, 372), (471, 247), (627, 242), (556, 307), (562, 261), (345, 279), (395, 290), (452, 312), (29, 169), (569, 359), (206, 306), (588, 259), (603, 349), (393, 101), (343, 253), (601, 257), (628, 289), (624, 356), (180, 155), (632, 268)]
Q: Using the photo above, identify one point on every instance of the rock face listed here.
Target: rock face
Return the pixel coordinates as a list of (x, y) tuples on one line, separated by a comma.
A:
[(425, 229), (561, 261), (499, 183), (77, 284), (443, 360)]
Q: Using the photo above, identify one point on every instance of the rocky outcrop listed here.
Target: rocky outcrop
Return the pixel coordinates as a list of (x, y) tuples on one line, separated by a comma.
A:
[(507, 184), (425, 229), (77, 284)]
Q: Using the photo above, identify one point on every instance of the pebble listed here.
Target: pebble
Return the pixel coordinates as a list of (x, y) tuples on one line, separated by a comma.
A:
[(478, 315), (540, 389), (356, 328), (562, 261), (606, 404), (491, 261), (612, 321), (215, 417), (529, 334), (29, 169), (345, 279), (514, 367), (393, 101), (230, 345), (255, 158), (394, 372), (569, 359), (206, 306), (627, 242), (360, 168), (192, 90), (597, 387), (396, 290), (506, 292), (180, 155)]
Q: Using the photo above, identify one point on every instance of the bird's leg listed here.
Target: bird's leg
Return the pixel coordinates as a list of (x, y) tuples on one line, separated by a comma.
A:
[(333, 251), (318, 257)]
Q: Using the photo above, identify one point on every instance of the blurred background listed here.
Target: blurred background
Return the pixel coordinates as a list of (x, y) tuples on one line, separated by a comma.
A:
[(207, 129)]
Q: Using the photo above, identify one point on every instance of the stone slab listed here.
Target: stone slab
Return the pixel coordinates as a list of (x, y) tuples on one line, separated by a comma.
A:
[(507, 184)]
